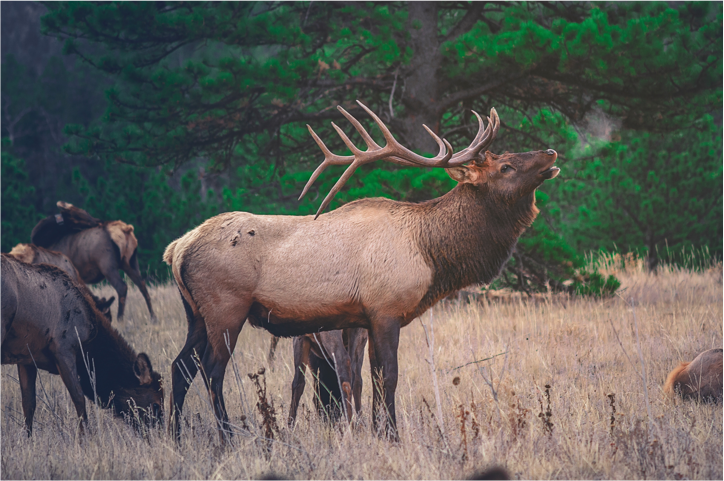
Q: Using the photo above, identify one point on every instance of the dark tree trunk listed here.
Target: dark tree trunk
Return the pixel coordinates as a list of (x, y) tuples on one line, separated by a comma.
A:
[(422, 86), (652, 258)]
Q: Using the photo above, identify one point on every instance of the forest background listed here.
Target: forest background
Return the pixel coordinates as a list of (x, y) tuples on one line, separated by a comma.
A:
[(164, 114)]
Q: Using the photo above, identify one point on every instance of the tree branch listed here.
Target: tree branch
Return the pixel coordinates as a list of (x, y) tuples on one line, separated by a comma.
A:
[(467, 22)]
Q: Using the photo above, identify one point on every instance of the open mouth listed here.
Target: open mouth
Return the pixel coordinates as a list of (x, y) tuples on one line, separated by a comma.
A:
[(550, 172)]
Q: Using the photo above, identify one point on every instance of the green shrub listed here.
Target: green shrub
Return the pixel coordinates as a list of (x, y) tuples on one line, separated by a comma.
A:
[(596, 285)]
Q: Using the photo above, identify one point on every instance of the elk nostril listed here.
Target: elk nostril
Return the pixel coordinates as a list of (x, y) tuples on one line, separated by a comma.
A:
[(550, 152)]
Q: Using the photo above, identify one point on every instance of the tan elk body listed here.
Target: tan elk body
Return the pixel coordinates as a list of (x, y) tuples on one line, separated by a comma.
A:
[(700, 379), (373, 263), (97, 249), (32, 254)]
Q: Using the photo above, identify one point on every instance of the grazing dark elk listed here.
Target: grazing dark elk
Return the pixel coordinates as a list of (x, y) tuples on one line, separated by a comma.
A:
[(97, 249), (375, 264), (32, 254), (700, 379), (49, 323), (335, 360)]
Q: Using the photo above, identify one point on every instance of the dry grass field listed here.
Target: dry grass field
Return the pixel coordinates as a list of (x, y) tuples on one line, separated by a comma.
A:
[(543, 410)]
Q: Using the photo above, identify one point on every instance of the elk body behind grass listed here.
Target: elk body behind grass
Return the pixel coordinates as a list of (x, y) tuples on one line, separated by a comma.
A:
[(700, 379), (49, 323), (375, 264), (335, 360)]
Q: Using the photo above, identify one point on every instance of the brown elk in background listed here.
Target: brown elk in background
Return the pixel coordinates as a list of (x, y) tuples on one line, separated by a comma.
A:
[(375, 264), (700, 379), (97, 249), (49, 323), (32, 254), (335, 361)]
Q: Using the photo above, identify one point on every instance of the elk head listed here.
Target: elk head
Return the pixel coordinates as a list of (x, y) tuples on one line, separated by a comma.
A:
[(141, 403), (507, 176)]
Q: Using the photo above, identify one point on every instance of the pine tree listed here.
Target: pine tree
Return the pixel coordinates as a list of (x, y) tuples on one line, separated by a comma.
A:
[(653, 193)]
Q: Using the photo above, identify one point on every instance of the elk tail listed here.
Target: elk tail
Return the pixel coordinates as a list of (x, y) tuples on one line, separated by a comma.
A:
[(168, 253), (173, 256), (673, 378), (122, 235)]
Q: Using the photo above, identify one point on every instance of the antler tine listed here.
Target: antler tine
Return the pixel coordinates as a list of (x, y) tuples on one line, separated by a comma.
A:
[(443, 145), (329, 159), (371, 144), (482, 140), (393, 151), (440, 160), (346, 141), (340, 182)]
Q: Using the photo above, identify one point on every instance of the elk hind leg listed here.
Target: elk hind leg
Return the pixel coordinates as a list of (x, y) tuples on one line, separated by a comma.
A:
[(185, 366), (223, 326), (134, 272)]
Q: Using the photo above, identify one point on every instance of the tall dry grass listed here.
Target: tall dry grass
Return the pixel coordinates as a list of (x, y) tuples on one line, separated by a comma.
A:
[(543, 410)]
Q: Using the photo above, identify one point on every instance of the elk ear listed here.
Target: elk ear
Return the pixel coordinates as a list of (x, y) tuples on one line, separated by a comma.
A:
[(463, 174), (142, 369)]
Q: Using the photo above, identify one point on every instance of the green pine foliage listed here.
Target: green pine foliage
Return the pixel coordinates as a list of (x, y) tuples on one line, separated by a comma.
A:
[(230, 86), (19, 215), (651, 193)]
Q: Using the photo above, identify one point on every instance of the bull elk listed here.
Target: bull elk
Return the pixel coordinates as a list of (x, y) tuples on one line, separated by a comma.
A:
[(372, 263)]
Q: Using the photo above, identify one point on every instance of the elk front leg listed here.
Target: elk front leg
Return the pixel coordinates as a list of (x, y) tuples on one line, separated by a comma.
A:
[(27, 374), (357, 339), (302, 346), (272, 348), (121, 288), (384, 340), (339, 359), (65, 362)]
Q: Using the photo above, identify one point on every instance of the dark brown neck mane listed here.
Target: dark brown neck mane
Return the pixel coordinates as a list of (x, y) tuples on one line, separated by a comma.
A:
[(111, 360), (466, 237)]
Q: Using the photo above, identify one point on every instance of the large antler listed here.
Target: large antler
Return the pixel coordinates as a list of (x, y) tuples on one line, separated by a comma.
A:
[(394, 151)]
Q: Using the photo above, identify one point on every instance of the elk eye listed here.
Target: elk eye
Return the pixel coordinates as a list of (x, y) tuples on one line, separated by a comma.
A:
[(506, 168)]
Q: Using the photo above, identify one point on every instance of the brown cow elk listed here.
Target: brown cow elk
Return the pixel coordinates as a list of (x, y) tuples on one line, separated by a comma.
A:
[(49, 323), (335, 361), (699, 380), (32, 254), (375, 264), (97, 249)]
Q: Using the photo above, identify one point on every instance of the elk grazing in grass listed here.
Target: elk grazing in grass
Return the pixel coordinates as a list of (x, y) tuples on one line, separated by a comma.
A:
[(49, 323), (700, 379), (335, 360), (97, 249), (375, 264), (32, 254)]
